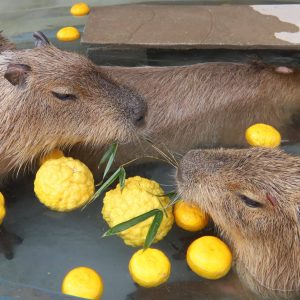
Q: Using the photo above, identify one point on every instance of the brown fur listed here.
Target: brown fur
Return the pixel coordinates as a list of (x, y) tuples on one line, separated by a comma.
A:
[(34, 121), (210, 104), (265, 240), (5, 44)]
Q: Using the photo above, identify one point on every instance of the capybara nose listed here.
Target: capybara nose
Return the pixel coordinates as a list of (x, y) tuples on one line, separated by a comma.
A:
[(131, 105)]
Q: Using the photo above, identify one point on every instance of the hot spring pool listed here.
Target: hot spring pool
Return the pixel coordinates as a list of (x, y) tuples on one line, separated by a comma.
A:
[(55, 242)]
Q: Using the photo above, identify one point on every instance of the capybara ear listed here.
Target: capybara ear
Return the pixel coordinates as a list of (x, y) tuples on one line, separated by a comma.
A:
[(296, 213), (284, 70), (273, 201), (16, 74), (40, 40)]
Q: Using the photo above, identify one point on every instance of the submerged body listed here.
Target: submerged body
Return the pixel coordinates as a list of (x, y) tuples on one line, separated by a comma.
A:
[(253, 196), (210, 104)]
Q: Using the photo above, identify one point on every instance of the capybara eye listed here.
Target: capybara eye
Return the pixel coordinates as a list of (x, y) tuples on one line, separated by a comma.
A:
[(64, 97), (250, 202)]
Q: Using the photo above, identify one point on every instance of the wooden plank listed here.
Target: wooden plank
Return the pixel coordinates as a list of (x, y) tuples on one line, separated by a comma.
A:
[(194, 26)]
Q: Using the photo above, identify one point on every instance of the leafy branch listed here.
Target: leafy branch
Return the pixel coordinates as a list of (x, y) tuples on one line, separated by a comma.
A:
[(120, 174), (157, 220)]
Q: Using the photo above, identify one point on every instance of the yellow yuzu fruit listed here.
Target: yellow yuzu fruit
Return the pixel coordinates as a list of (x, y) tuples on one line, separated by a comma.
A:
[(64, 184), (2, 208), (56, 153), (149, 268), (68, 34), (209, 257), (138, 196), (190, 217), (80, 9), (83, 282), (263, 135)]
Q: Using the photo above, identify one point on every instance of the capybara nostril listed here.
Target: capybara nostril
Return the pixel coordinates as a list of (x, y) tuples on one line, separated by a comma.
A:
[(138, 117), (140, 121)]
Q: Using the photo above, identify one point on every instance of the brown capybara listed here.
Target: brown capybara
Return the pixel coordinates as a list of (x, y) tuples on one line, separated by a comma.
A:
[(211, 104), (52, 98), (253, 197)]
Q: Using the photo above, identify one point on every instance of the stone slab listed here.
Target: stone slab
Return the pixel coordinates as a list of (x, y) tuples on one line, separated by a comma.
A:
[(194, 26)]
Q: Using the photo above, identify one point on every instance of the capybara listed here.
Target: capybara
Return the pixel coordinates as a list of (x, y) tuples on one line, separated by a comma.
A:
[(210, 104), (52, 98), (253, 197)]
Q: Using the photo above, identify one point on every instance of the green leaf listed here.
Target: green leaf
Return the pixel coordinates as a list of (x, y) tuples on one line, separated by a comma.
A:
[(106, 155), (111, 159), (169, 194), (172, 194), (153, 229), (122, 177), (105, 185), (127, 224), (98, 184)]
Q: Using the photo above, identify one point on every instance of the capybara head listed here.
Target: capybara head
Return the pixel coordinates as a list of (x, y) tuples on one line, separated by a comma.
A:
[(253, 196), (67, 98), (248, 190)]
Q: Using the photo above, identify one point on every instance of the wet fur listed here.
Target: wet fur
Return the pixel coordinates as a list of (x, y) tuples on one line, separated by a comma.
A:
[(265, 240), (210, 104)]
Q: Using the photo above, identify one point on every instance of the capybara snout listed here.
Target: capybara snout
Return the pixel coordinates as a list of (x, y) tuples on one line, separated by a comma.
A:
[(197, 164), (241, 178), (132, 105)]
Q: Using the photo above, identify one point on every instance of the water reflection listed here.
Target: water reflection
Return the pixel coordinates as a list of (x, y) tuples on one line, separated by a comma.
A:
[(224, 289)]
